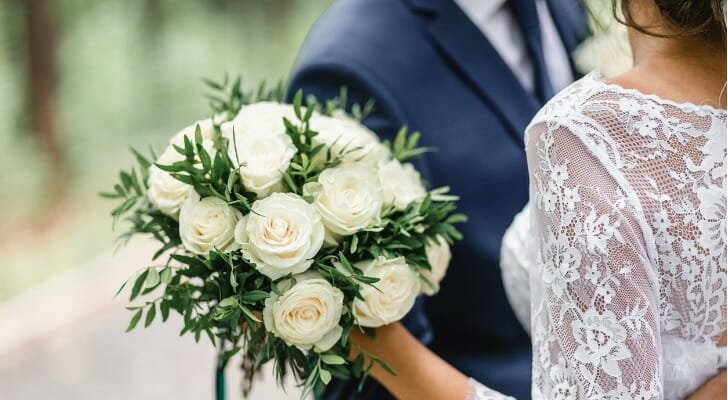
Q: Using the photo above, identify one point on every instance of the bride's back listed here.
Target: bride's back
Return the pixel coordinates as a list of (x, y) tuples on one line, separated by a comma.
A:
[(669, 160), (628, 201)]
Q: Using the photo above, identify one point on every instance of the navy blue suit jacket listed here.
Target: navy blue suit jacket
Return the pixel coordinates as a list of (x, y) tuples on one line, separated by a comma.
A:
[(427, 66)]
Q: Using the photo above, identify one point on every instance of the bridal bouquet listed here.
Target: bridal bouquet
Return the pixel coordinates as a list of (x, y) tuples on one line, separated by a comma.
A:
[(282, 227)]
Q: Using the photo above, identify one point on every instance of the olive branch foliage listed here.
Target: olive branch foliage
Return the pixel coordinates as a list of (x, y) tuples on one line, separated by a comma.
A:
[(220, 295)]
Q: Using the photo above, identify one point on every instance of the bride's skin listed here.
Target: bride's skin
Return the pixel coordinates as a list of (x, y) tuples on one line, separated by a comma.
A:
[(684, 70), (681, 70)]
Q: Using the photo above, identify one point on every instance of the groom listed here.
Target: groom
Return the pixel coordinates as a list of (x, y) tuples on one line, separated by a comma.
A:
[(469, 75)]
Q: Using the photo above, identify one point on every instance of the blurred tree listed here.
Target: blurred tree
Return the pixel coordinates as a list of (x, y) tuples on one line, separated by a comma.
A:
[(42, 82), (153, 15), (277, 10)]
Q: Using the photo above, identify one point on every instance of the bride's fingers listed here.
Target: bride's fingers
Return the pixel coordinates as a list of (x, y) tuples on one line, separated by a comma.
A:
[(722, 340)]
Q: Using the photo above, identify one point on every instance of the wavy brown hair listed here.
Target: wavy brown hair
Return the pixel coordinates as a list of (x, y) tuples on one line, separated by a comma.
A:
[(682, 18)]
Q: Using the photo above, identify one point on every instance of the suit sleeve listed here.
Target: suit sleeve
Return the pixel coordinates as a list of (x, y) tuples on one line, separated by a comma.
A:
[(324, 80)]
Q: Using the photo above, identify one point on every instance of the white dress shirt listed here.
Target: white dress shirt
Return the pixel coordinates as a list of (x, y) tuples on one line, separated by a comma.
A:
[(499, 25)]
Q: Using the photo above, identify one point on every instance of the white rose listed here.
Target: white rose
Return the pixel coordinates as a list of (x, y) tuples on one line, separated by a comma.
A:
[(264, 118), (207, 131), (348, 197), (393, 297), (166, 192), (306, 315), (208, 224), (263, 159), (438, 255), (344, 134), (401, 183), (281, 235)]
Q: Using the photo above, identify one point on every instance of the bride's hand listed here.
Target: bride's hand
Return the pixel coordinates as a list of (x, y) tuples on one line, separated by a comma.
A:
[(420, 373)]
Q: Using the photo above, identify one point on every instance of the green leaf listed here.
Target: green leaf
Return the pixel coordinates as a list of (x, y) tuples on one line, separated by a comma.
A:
[(150, 315), (166, 276), (164, 308), (332, 359), (126, 283), (345, 262), (456, 219), (385, 366), (228, 302), (109, 195), (289, 182), (134, 320), (143, 161), (254, 296), (325, 376), (357, 366), (354, 243), (153, 278), (233, 281), (365, 279), (249, 314), (297, 98), (191, 261), (138, 285)]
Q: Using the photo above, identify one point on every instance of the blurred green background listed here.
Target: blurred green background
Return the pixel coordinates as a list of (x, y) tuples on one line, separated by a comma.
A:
[(82, 80)]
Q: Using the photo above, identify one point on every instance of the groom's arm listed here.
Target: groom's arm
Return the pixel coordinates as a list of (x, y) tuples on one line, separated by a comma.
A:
[(324, 79)]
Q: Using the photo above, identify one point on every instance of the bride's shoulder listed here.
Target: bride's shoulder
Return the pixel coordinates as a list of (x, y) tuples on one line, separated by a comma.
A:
[(615, 103), (571, 102)]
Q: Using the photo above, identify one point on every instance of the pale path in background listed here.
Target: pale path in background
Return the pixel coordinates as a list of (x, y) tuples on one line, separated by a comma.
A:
[(65, 340)]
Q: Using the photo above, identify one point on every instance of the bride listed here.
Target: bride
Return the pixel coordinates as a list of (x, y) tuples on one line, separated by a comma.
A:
[(618, 266)]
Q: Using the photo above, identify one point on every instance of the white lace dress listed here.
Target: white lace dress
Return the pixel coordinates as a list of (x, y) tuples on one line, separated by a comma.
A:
[(618, 265)]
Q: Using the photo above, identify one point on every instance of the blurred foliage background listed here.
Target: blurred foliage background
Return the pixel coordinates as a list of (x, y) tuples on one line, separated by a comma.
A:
[(82, 80)]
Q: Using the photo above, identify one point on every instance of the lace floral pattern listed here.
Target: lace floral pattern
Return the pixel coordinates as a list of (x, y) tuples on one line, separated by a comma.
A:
[(480, 392), (628, 214)]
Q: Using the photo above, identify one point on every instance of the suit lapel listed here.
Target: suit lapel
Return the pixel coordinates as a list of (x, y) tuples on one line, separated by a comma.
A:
[(464, 45)]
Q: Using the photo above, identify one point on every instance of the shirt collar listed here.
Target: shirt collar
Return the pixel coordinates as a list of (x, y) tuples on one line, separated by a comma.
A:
[(480, 10)]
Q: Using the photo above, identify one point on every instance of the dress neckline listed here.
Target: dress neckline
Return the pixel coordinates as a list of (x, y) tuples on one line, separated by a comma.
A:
[(597, 78)]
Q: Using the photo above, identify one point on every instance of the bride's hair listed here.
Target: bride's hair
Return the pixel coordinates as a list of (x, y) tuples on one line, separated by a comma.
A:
[(682, 18)]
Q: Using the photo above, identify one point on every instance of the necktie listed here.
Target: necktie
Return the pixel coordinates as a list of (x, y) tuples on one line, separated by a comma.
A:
[(527, 16)]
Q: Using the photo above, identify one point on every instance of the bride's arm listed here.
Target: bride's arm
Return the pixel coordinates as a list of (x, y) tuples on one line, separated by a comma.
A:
[(421, 374)]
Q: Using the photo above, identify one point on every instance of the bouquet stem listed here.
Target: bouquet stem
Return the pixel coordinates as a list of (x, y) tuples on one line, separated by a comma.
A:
[(220, 372)]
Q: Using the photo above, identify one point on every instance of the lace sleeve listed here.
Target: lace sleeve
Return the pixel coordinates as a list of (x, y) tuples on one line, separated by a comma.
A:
[(595, 310), (480, 392), (518, 258)]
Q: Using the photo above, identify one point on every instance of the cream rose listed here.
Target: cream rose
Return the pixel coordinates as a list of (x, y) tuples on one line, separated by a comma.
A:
[(263, 159), (281, 235), (166, 192), (344, 134), (348, 197), (208, 224), (262, 118), (207, 131), (401, 183), (438, 255), (398, 287), (307, 314)]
